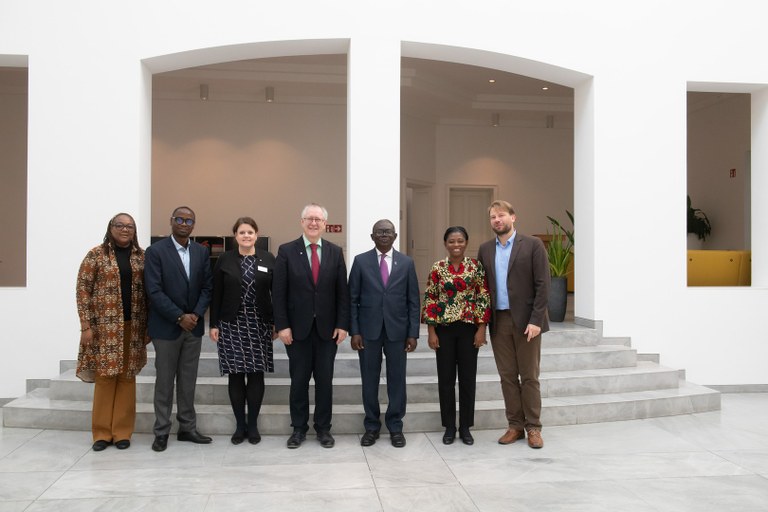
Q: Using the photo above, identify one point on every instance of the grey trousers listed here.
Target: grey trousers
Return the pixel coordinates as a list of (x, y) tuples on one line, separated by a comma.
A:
[(176, 364)]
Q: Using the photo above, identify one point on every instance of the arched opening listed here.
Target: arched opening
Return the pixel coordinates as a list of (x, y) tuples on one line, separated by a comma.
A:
[(474, 122)]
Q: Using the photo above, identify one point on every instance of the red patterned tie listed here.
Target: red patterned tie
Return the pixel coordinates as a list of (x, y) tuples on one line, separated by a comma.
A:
[(315, 263)]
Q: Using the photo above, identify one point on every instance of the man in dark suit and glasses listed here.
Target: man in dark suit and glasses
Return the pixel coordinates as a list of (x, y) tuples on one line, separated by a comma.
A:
[(177, 276), (384, 292), (517, 269), (310, 301)]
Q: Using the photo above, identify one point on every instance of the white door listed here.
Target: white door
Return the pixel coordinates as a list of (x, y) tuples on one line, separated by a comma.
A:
[(468, 207), (420, 230)]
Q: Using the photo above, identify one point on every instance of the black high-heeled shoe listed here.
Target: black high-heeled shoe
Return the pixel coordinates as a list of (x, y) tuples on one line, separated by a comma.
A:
[(253, 435), (239, 436)]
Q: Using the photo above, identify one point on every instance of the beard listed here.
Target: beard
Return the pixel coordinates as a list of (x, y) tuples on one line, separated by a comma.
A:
[(503, 230)]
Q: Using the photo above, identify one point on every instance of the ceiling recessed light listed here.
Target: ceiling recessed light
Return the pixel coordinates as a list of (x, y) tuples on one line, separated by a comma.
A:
[(492, 81), (545, 88)]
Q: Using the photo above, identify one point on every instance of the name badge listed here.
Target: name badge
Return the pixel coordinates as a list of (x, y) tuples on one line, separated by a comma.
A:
[(262, 269)]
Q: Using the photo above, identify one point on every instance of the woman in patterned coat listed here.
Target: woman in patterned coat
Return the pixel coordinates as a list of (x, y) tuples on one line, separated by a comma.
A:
[(242, 325), (112, 306), (457, 306)]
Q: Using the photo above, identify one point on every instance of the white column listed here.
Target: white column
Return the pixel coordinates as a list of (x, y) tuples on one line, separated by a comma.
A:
[(584, 200), (759, 188), (373, 138)]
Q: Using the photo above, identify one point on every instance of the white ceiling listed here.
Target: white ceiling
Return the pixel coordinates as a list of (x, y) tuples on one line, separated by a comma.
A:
[(443, 92)]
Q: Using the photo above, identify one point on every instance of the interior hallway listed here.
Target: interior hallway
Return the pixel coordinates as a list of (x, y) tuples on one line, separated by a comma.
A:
[(705, 461)]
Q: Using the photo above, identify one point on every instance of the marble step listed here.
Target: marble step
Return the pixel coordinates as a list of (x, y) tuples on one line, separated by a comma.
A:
[(37, 410), (561, 336), (420, 389), (422, 361)]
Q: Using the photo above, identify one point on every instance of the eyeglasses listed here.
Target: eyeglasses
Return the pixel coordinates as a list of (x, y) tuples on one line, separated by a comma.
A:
[(120, 226), (311, 220), (384, 232), (182, 220)]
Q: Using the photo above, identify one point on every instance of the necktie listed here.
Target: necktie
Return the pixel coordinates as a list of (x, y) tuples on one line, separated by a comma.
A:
[(384, 269), (315, 263)]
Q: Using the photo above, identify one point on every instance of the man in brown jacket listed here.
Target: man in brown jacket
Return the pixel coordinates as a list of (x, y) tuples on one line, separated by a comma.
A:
[(518, 277)]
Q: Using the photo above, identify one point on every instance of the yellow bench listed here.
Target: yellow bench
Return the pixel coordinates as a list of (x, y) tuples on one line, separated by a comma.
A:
[(719, 268)]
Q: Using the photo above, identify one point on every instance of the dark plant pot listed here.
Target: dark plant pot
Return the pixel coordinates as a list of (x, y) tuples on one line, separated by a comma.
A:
[(558, 298)]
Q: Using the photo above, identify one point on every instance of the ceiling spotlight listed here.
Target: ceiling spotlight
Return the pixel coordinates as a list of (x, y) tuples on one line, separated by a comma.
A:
[(204, 92), (269, 94), (492, 81), (495, 119), (545, 88)]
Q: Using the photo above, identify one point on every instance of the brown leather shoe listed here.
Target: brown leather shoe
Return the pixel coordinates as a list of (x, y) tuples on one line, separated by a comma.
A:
[(511, 435), (534, 438)]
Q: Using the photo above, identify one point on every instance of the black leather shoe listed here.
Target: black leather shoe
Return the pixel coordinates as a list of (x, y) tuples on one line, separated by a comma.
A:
[(326, 439), (397, 438), (160, 443), (253, 436), (450, 435), (101, 445), (466, 437), (369, 438), (296, 439), (123, 444), (193, 436), (238, 437)]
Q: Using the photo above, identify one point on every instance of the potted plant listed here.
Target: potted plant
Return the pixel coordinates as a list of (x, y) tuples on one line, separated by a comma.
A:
[(559, 252), (698, 222)]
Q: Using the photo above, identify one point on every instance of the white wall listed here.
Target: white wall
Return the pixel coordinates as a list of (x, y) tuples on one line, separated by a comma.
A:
[(89, 146), (227, 159)]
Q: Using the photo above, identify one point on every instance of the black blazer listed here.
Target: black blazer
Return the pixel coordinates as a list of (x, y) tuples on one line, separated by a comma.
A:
[(227, 283), (171, 294), (297, 302)]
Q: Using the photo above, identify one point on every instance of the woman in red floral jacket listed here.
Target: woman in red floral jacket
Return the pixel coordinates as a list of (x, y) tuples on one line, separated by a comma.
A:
[(457, 306), (112, 306)]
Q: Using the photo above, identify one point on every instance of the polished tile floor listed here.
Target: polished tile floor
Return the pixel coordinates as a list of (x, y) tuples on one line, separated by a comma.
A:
[(707, 461)]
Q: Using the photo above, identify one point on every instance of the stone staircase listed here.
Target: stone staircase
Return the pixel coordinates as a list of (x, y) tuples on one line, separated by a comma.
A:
[(585, 379)]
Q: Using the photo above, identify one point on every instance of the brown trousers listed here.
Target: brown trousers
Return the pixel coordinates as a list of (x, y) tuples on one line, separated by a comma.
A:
[(114, 401), (518, 362)]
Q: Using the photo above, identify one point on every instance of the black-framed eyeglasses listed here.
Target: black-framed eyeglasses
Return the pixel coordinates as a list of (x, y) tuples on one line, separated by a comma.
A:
[(384, 232), (182, 220), (120, 226), (313, 219)]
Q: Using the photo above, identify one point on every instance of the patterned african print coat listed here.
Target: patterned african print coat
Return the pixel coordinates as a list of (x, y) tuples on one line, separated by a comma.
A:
[(99, 303)]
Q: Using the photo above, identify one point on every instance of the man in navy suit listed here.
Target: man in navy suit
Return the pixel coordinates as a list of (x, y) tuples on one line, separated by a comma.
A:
[(310, 302), (384, 293), (177, 276)]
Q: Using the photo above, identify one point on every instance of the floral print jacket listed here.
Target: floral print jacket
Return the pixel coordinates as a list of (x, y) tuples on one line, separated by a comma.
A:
[(457, 295)]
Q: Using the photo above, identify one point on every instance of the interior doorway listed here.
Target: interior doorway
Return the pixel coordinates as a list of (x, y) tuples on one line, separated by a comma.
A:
[(468, 207), (419, 229)]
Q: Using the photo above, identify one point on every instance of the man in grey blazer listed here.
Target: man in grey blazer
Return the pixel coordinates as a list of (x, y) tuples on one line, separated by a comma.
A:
[(384, 294), (177, 276), (518, 277)]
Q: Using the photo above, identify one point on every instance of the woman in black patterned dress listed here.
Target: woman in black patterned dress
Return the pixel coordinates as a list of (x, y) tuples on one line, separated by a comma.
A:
[(242, 325)]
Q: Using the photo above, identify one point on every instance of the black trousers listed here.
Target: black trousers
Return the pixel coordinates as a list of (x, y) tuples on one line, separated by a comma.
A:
[(313, 357), (456, 351)]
